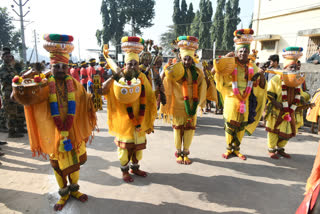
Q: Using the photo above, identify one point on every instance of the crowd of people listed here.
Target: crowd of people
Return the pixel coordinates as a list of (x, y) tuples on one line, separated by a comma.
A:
[(60, 123)]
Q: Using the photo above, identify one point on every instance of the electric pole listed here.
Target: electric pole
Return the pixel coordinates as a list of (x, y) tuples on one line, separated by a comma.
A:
[(21, 16), (35, 44)]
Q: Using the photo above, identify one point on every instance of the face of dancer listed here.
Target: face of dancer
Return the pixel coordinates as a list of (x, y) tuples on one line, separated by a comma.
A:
[(132, 66), (7, 58), (243, 54), (59, 70), (187, 61)]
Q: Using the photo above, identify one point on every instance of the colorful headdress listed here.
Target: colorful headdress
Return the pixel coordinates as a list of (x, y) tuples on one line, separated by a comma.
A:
[(188, 45), (146, 55), (291, 55), (102, 62), (243, 38), (92, 60), (132, 45), (83, 63), (59, 46)]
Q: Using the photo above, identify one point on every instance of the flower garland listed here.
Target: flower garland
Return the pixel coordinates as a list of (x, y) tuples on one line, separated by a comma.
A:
[(63, 127), (194, 91), (288, 110), (242, 98), (137, 122)]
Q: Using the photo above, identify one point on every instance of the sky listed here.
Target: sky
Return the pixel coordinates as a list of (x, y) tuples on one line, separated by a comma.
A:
[(81, 19)]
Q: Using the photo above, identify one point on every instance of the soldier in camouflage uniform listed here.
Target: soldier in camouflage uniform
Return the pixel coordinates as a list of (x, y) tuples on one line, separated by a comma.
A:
[(13, 111)]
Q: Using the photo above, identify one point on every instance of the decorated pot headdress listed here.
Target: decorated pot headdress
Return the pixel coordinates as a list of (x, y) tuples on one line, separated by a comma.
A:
[(243, 38), (291, 55), (188, 45), (146, 55), (59, 46), (132, 45)]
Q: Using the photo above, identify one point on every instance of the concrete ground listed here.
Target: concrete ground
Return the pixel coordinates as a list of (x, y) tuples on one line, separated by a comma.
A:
[(209, 185)]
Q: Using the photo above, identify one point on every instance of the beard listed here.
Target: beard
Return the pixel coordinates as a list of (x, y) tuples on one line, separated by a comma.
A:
[(131, 73)]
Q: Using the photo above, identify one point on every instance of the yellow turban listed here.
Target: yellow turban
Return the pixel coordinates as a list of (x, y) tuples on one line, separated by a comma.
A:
[(188, 52), (130, 56)]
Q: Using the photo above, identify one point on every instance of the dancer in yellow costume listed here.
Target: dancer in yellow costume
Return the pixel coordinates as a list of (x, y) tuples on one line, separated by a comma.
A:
[(314, 113), (243, 94), (212, 94), (286, 103), (130, 115), (185, 88), (60, 125)]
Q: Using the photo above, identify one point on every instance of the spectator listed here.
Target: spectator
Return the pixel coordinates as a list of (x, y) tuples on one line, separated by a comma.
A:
[(274, 64), (315, 58)]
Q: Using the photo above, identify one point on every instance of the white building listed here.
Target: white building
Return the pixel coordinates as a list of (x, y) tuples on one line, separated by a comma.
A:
[(281, 23)]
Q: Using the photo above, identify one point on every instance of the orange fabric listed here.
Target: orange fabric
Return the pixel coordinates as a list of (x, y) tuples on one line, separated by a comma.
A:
[(315, 173), (75, 74), (57, 57), (84, 76), (101, 72), (45, 138), (91, 71)]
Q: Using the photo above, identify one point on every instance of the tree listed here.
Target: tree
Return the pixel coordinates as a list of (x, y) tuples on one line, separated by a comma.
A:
[(116, 13), (250, 25), (189, 20), (195, 26), (182, 17), (227, 42), (217, 25), (9, 37), (166, 40), (235, 14), (140, 14), (205, 20)]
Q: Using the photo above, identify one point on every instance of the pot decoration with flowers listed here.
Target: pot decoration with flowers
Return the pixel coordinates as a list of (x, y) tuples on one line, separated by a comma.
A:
[(29, 91)]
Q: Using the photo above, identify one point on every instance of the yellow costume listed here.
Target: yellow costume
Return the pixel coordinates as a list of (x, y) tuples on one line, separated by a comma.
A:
[(130, 140), (282, 126), (175, 110), (314, 113), (45, 138), (237, 122)]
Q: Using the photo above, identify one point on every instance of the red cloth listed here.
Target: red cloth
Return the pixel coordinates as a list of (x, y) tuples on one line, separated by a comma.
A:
[(69, 69), (309, 200), (84, 76), (101, 72), (75, 74), (91, 72)]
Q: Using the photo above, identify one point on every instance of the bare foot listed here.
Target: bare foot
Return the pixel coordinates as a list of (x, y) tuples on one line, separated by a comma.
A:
[(139, 172), (186, 160), (241, 156), (273, 155), (179, 160), (79, 196), (61, 203), (127, 177)]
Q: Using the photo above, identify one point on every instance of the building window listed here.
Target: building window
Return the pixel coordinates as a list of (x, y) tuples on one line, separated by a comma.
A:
[(268, 45), (312, 45)]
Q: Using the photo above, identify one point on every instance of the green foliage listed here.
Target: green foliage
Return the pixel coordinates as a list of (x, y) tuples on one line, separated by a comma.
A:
[(217, 25), (140, 14), (166, 39), (227, 42), (116, 13), (9, 37), (182, 17), (235, 14), (195, 26), (190, 18), (205, 20)]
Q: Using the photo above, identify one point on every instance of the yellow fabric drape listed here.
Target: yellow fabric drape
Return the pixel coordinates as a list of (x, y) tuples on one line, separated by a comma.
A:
[(119, 122), (231, 102), (175, 102), (212, 93), (274, 86), (314, 113), (131, 56), (45, 138)]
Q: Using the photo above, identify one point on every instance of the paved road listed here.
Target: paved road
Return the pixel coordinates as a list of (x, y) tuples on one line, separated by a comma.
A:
[(210, 185)]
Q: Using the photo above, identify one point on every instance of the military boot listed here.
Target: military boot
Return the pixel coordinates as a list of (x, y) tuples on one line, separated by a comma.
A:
[(13, 134)]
